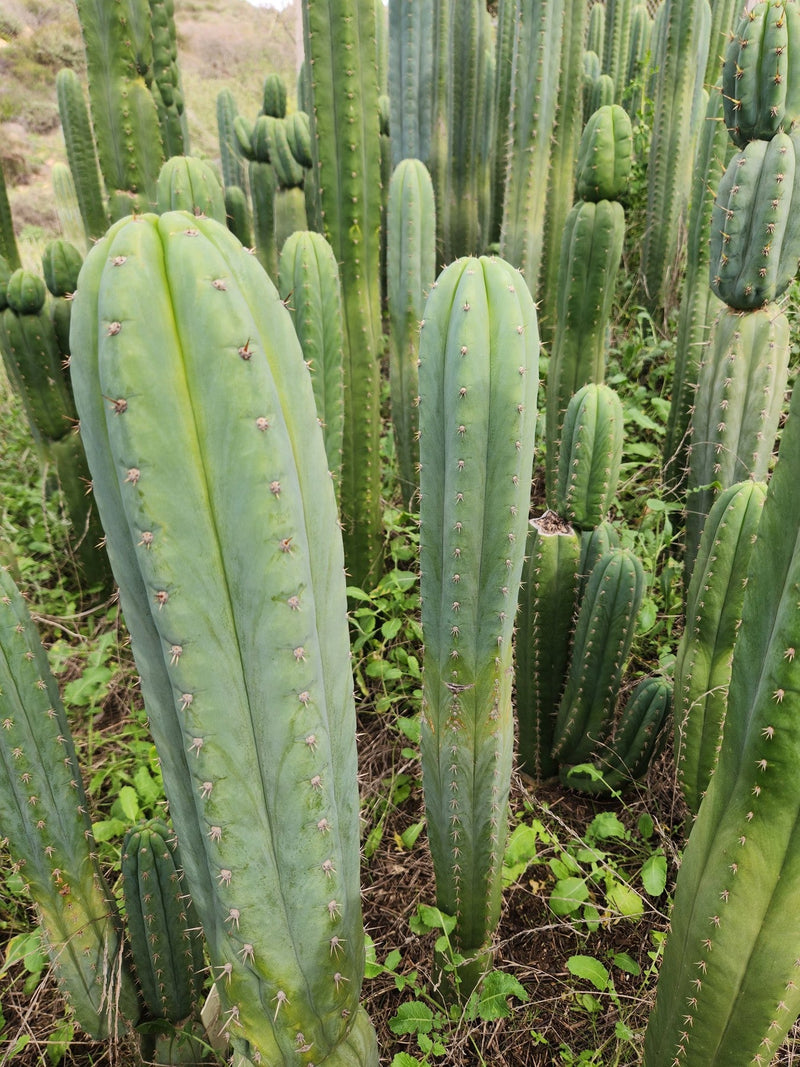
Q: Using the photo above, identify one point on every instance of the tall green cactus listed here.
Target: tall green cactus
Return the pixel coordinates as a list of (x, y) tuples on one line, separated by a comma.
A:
[(81, 153), (231, 162), (478, 387), (681, 57), (308, 281), (411, 271), (188, 184), (8, 241), (737, 409), (411, 59), (44, 815), (727, 990), (165, 84), (590, 454), (534, 97), (713, 614), (617, 43), (124, 116), (213, 487), (340, 46)]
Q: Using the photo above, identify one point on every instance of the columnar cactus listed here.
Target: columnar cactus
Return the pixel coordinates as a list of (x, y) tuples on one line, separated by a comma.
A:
[(713, 613), (81, 153), (308, 281), (546, 622), (210, 473), (411, 271), (604, 155), (737, 410), (534, 99), (590, 455), (478, 386), (340, 47), (760, 75), (165, 84), (617, 43), (187, 184), (166, 941), (8, 240), (590, 255), (66, 203), (44, 815), (681, 53), (233, 168), (727, 990), (603, 635), (699, 305), (411, 58)]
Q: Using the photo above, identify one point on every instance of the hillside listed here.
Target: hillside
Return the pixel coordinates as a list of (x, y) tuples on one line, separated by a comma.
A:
[(221, 43)]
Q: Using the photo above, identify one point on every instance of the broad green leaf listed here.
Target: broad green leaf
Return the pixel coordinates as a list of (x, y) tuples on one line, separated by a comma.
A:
[(654, 874), (402, 1059), (497, 988), (624, 900), (590, 970), (568, 894), (606, 825), (413, 1017), (626, 963)]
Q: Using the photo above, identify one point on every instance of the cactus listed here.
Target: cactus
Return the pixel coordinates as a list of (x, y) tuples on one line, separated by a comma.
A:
[(44, 815), (411, 60), (760, 75), (263, 189), (237, 215), (755, 229), (274, 96), (411, 271), (478, 387), (534, 88), (594, 544), (638, 60), (681, 54), (603, 634), (727, 990), (61, 263), (604, 155), (713, 613), (699, 305), (187, 184), (340, 46), (619, 18), (67, 206), (81, 153), (233, 169), (308, 281), (165, 84), (504, 65), (590, 455), (244, 661), (166, 943), (596, 29), (8, 240), (636, 740), (737, 409), (124, 117), (590, 255), (546, 619)]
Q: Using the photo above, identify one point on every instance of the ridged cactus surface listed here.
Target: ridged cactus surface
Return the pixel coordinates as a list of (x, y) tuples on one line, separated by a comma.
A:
[(604, 154), (44, 816), (210, 472), (590, 455), (728, 990), (478, 386)]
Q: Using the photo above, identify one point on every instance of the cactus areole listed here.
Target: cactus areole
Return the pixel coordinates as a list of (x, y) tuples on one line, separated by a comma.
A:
[(210, 473)]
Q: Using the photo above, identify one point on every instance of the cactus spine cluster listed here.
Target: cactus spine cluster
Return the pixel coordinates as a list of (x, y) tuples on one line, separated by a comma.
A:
[(244, 661), (478, 385)]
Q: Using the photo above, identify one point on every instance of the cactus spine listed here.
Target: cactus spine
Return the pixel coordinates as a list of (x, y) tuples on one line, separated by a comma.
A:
[(727, 991), (340, 46), (713, 613), (244, 661), (44, 814), (478, 386), (308, 281), (411, 271)]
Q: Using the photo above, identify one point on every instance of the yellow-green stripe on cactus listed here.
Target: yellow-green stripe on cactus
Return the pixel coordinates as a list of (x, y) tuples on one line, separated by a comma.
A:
[(411, 271), (705, 653), (44, 815), (737, 409), (761, 72), (636, 739), (211, 476), (728, 991), (479, 352), (603, 634), (755, 224), (604, 154), (544, 635), (590, 455), (308, 281), (188, 184)]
